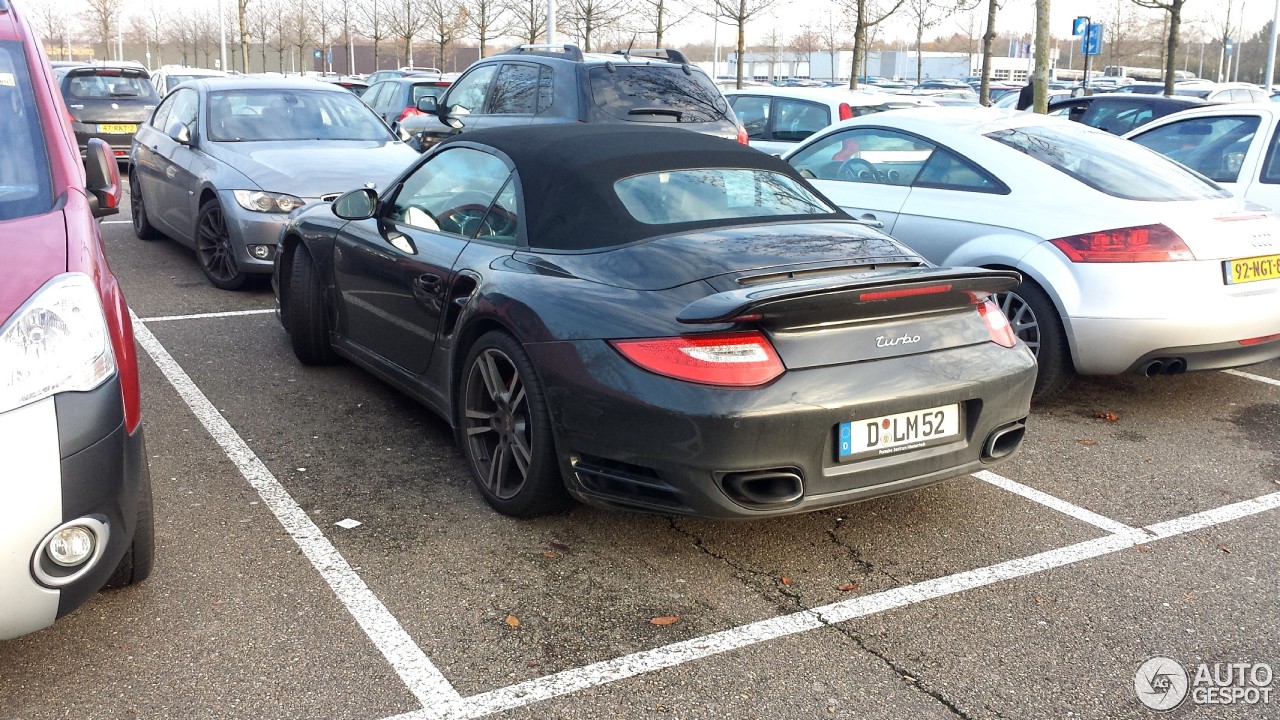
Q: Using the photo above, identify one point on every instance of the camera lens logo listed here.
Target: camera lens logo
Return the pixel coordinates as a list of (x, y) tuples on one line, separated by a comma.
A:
[(1161, 683)]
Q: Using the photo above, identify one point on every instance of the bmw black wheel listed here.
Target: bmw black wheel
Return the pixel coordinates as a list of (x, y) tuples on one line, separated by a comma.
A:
[(505, 430), (1035, 321), (142, 226), (214, 249)]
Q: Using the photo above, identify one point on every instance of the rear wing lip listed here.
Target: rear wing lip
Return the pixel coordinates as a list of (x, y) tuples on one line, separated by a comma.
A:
[(772, 300)]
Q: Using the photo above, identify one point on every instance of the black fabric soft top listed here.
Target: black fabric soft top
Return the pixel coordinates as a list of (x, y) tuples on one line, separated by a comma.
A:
[(567, 174)]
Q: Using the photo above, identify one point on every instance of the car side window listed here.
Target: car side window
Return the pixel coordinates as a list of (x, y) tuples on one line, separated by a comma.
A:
[(185, 103), (753, 113), (376, 96), (868, 155), (1213, 146), (502, 220), (160, 120), (947, 171), (797, 120), (451, 192), (546, 89), (470, 90), (1271, 167), (515, 90)]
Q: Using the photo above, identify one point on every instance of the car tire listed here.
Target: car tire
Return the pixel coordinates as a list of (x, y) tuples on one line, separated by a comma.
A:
[(304, 313), (136, 564), (505, 430), (1036, 322), (215, 250), (142, 226)]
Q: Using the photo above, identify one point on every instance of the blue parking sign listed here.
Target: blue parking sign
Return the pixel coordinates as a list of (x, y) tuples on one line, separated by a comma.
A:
[(316, 53), (1092, 44), (1079, 26)]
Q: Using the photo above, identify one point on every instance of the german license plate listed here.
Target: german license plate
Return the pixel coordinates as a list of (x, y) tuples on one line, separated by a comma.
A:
[(893, 434), (117, 129), (1246, 270)]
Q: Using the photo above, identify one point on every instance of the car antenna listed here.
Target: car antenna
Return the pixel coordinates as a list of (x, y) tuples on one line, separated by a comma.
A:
[(630, 45)]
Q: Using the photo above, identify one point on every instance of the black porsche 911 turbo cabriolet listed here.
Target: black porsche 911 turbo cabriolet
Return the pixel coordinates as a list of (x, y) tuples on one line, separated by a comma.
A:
[(657, 320)]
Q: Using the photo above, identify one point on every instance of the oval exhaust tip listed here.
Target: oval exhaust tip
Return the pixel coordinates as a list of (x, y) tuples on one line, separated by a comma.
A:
[(1003, 441)]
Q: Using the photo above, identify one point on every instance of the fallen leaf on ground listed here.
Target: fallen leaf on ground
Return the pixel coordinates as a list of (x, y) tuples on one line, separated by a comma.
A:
[(786, 580), (847, 587), (665, 620), (1224, 548), (550, 555), (1040, 600), (1087, 442), (1106, 416), (1143, 548), (513, 621), (1189, 596)]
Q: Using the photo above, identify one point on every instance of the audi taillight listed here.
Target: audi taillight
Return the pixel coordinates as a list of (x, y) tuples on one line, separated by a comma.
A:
[(409, 112), (742, 135), (846, 112), (997, 324), (1146, 243), (736, 359)]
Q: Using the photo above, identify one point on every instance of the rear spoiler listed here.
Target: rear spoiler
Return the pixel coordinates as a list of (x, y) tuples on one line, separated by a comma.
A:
[(874, 293)]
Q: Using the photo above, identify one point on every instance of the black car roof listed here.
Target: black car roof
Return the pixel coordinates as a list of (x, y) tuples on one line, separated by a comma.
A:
[(567, 173), (1153, 100)]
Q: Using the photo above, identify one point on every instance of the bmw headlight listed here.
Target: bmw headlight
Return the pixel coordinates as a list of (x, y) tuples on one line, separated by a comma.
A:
[(56, 342), (260, 201)]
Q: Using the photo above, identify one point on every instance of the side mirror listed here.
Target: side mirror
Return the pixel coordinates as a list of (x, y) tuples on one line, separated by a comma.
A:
[(102, 178), (179, 133), (428, 104), (452, 115), (359, 204)]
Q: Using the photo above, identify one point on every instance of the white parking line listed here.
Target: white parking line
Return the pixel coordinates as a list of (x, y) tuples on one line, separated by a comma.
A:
[(1055, 503), (417, 672), (1251, 376), (116, 222), (609, 671), (201, 316)]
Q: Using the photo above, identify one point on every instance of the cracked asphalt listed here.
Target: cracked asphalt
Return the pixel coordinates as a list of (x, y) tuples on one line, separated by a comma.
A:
[(237, 623)]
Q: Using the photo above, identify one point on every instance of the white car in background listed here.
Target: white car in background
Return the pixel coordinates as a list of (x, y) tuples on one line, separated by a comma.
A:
[(776, 118), (1130, 263), (170, 76), (1233, 145)]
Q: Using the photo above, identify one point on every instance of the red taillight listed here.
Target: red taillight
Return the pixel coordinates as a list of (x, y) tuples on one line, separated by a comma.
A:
[(997, 324), (1148, 243), (742, 135), (903, 292), (409, 112), (737, 359), (1260, 340), (846, 112)]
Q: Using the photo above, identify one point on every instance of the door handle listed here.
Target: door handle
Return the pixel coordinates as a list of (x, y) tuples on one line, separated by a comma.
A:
[(870, 221)]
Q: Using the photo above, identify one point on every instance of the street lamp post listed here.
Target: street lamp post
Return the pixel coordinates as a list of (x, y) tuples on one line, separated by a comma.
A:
[(222, 37)]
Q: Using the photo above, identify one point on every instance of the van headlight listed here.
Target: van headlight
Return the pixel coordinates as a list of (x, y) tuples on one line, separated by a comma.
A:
[(57, 341)]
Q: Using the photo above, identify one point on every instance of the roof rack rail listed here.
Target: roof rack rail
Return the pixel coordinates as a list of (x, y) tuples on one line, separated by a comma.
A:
[(566, 51), (667, 54)]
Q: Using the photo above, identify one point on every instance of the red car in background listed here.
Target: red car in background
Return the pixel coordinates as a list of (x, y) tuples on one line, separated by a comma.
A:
[(75, 503)]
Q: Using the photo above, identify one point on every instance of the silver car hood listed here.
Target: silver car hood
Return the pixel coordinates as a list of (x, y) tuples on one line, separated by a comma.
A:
[(311, 169)]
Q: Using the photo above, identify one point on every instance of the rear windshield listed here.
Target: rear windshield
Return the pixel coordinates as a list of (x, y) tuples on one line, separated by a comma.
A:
[(1109, 164), (685, 196), (656, 93), (25, 185), (255, 115), (108, 83)]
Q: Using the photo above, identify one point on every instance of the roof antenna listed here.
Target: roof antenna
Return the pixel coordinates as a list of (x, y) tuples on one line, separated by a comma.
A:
[(630, 45)]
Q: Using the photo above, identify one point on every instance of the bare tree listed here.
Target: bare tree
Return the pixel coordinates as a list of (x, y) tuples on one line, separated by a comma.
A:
[(371, 21), (260, 25), (486, 19), (406, 19), (54, 26), (528, 19), (104, 14), (1174, 10), (867, 16), (585, 19), (281, 30), (300, 34), (739, 12), (988, 39), (656, 17), (446, 20), (804, 44), (242, 16), (925, 14), (831, 39)]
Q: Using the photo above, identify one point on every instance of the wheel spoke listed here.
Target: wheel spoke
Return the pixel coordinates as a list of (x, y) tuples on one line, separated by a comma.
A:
[(522, 454), (492, 378), (515, 393), (498, 467)]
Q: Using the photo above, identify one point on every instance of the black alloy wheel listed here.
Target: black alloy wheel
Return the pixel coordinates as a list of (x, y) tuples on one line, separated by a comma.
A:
[(142, 226), (1035, 321), (303, 311), (505, 430), (214, 249)]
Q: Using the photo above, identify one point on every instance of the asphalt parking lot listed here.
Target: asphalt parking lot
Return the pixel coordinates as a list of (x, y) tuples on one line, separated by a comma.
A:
[(1139, 520)]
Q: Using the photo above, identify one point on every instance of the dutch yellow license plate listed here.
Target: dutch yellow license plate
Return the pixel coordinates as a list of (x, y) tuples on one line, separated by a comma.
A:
[(1246, 270), (118, 129)]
